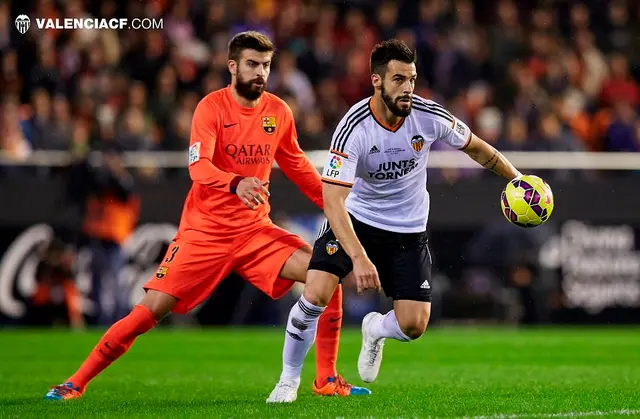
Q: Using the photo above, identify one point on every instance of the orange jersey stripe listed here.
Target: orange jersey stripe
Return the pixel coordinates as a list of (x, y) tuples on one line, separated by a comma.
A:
[(336, 182), (346, 156)]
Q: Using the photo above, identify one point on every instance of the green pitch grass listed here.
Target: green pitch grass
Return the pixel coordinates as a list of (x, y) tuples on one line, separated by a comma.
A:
[(230, 372)]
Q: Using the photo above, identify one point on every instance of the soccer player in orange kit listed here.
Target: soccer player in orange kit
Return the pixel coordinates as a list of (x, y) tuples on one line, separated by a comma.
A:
[(225, 227)]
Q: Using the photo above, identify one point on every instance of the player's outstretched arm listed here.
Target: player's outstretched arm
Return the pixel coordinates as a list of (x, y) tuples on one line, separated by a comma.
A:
[(364, 271), (490, 158)]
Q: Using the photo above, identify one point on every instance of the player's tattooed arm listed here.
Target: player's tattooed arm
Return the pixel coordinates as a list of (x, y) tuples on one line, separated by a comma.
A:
[(490, 158)]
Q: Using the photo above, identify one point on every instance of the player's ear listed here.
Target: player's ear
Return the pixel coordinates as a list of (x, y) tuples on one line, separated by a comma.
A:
[(376, 80), (232, 65)]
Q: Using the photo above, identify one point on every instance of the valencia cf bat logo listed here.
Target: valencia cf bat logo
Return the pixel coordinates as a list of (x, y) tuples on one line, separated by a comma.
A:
[(417, 142), (332, 247), (269, 124)]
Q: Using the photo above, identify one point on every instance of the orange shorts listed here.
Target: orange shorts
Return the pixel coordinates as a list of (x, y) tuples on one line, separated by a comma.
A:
[(191, 270)]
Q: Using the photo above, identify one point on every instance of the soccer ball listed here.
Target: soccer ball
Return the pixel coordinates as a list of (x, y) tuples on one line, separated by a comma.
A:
[(527, 201)]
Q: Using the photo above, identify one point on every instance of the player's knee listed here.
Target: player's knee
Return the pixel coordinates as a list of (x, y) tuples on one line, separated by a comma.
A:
[(158, 303), (414, 323), (414, 329), (316, 298), (319, 288)]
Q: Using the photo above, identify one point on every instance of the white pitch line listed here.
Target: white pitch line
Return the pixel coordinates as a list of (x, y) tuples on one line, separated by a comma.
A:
[(621, 412)]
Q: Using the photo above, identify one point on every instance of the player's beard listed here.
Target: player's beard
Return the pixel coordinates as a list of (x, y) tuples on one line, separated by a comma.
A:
[(393, 105), (248, 89)]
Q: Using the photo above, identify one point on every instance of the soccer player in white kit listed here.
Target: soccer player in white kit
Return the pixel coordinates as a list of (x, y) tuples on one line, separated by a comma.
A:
[(377, 205)]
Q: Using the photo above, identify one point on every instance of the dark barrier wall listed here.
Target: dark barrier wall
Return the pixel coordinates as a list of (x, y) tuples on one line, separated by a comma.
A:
[(464, 204), (582, 266)]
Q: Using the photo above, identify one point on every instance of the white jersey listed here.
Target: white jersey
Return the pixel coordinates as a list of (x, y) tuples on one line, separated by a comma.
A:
[(386, 166)]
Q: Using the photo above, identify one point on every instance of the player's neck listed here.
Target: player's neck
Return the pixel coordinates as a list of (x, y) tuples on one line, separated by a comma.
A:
[(383, 113), (242, 101)]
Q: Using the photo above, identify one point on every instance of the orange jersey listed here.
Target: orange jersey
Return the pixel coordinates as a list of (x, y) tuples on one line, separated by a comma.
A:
[(229, 141)]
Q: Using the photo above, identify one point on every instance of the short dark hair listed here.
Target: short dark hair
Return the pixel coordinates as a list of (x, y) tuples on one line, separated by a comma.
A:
[(386, 51), (249, 40)]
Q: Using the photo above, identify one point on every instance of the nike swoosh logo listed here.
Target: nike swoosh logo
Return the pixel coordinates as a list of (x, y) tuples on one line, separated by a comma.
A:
[(230, 125), (334, 320), (295, 336)]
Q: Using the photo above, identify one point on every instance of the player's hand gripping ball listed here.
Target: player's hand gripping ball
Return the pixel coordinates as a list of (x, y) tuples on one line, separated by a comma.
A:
[(527, 201)]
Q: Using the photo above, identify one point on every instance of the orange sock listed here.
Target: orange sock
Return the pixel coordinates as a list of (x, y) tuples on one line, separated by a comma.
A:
[(328, 338), (115, 342)]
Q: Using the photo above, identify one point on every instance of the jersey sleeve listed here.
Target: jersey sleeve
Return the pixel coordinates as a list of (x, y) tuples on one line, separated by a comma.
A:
[(342, 161), (295, 164), (456, 133), (202, 143)]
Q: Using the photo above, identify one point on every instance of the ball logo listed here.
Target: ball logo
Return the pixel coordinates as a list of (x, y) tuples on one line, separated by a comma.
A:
[(23, 23), (335, 163), (417, 142), (332, 247), (269, 124)]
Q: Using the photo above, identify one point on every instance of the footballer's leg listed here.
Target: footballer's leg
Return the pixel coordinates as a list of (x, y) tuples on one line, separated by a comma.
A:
[(327, 382), (406, 322), (322, 280), (284, 257), (114, 343), (406, 278), (182, 282), (300, 335)]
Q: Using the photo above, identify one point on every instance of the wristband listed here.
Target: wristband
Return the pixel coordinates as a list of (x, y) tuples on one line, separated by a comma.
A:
[(234, 184)]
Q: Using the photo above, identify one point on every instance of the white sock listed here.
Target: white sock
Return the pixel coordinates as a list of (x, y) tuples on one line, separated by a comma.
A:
[(299, 337), (387, 327)]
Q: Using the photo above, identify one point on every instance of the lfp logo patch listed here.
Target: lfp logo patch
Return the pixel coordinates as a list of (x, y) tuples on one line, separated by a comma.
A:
[(194, 153), (335, 163)]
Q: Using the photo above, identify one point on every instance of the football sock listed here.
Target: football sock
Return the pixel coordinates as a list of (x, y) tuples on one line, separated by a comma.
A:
[(387, 327), (299, 337), (114, 343), (328, 338)]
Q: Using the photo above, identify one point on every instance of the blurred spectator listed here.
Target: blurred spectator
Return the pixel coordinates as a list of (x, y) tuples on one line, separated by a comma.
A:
[(620, 85), (39, 124), (621, 135), (287, 76), (515, 137), (552, 136), (10, 78), (111, 210), (56, 300)]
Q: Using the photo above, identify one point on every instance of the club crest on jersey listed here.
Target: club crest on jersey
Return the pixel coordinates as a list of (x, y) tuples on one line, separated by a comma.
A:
[(417, 142), (161, 272), (269, 124), (332, 247)]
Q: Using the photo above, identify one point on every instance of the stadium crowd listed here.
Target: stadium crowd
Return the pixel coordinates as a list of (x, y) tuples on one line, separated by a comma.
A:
[(525, 75)]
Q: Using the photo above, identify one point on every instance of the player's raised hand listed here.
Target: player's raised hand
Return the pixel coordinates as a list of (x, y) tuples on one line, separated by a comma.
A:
[(366, 274), (250, 190)]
